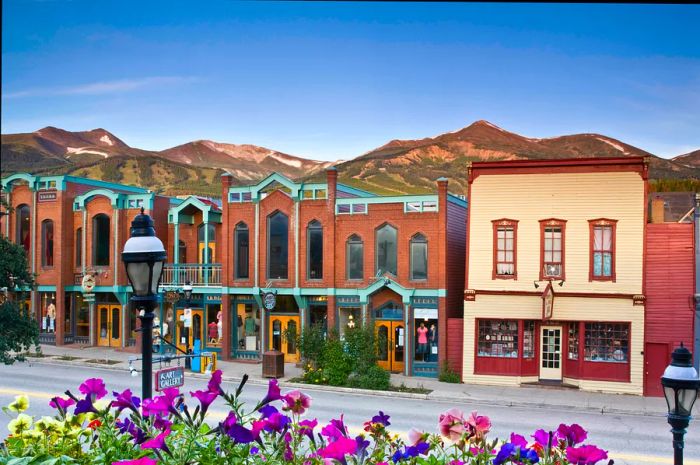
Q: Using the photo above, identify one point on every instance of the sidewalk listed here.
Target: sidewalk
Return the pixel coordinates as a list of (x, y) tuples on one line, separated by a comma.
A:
[(525, 396)]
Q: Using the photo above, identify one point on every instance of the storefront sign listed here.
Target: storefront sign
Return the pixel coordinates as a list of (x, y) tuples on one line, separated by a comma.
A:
[(425, 301), (88, 283), (348, 299), (88, 297), (49, 196), (172, 296), (269, 300), (548, 302), (425, 313), (170, 377)]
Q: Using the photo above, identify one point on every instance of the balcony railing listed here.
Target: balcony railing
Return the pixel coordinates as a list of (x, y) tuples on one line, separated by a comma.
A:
[(197, 274)]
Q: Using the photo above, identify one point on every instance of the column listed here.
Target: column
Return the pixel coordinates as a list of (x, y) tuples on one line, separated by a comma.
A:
[(263, 330), (407, 341), (176, 251), (115, 242), (226, 319), (365, 315), (125, 325), (330, 311), (207, 257), (93, 324)]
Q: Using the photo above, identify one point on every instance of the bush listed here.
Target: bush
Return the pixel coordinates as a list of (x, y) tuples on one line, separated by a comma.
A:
[(448, 375), (336, 363), (311, 343), (360, 345), (375, 377)]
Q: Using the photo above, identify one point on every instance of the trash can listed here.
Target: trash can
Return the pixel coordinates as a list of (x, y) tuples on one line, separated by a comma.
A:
[(208, 362), (273, 364)]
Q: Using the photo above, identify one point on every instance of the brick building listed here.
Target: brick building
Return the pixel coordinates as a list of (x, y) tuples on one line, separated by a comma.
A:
[(330, 254)]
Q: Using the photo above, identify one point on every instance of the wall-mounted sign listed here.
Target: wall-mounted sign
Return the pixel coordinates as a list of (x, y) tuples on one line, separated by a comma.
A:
[(425, 313), (548, 302), (49, 196), (269, 300), (172, 296), (348, 299), (187, 317), (88, 283), (425, 301), (88, 297), (170, 377)]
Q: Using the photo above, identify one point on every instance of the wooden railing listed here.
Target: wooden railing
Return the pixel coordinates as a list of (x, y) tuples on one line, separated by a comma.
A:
[(197, 274)]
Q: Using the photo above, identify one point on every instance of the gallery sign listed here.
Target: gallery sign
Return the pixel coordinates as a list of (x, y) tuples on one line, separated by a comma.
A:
[(170, 377)]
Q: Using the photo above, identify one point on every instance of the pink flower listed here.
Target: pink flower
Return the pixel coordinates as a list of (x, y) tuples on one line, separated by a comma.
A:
[(338, 448), (141, 461), (518, 440), (306, 427), (585, 455), (205, 398), (95, 387), (215, 382), (157, 442), (451, 424), (479, 424), (572, 435), (415, 436), (156, 406), (296, 401), (273, 393), (60, 403)]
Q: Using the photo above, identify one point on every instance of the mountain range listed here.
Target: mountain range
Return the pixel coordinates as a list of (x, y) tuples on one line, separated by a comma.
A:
[(397, 167)]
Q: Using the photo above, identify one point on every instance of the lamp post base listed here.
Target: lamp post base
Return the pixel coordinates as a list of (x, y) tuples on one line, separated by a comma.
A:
[(678, 423), (146, 318)]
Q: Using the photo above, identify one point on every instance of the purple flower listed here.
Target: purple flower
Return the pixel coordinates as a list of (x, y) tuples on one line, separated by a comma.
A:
[(162, 423), (362, 443), (518, 440), (273, 393), (157, 442), (381, 418), (241, 434), (585, 455), (205, 398), (228, 422), (127, 426), (338, 449), (93, 387), (84, 406), (141, 461), (542, 437), (511, 451), (125, 400), (60, 403), (306, 427), (254, 450), (277, 422), (410, 451), (215, 382), (267, 410), (156, 406), (572, 435)]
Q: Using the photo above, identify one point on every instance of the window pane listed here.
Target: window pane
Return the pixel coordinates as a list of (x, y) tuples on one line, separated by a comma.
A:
[(498, 338), (22, 236), (242, 248), (573, 341), (355, 259), (606, 342), (386, 249), (79, 247), (597, 264), (100, 240), (419, 260), (315, 251), (47, 243), (529, 339), (277, 246), (359, 208)]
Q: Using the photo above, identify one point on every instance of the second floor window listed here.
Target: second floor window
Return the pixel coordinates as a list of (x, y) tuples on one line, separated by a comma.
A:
[(241, 247), (419, 257), (79, 247), (100, 240), (22, 236), (386, 239), (552, 249), (602, 250), (181, 252), (206, 242), (314, 250), (354, 256), (277, 246), (47, 243), (505, 234)]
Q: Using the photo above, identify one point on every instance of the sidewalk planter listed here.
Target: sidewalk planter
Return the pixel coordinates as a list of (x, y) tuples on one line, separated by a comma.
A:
[(93, 427), (273, 364)]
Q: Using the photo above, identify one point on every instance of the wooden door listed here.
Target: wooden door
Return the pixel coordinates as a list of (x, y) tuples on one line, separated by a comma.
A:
[(656, 358), (283, 332), (109, 325), (185, 337), (115, 323), (391, 341), (550, 353)]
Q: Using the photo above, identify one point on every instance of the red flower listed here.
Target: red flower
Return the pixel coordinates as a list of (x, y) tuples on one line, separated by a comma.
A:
[(94, 424)]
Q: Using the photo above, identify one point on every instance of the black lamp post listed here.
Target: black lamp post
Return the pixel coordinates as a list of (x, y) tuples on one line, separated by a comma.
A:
[(143, 257), (187, 290), (681, 384)]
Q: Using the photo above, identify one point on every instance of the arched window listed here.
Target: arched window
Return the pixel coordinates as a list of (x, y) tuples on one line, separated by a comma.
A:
[(386, 238), (100, 240), (354, 257), (47, 243), (22, 235), (419, 257), (241, 246), (277, 245), (79, 247), (314, 250), (181, 251), (206, 252)]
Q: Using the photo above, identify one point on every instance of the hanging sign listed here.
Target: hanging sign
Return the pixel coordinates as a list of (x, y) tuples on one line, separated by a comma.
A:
[(548, 302), (269, 300), (425, 313), (88, 297), (88, 283), (170, 377)]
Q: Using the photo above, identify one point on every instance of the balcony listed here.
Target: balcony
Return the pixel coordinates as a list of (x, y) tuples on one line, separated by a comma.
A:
[(197, 274)]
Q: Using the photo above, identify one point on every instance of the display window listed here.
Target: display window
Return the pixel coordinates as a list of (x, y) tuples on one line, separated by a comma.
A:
[(498, 338)]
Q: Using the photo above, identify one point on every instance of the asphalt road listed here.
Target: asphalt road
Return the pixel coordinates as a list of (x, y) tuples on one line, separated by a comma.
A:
[(630, 439)]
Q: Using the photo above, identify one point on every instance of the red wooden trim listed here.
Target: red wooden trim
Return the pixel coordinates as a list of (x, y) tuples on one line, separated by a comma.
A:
[(591, 226), (495, 225), (544, 224), (567, 165), (469, 234), (593, 295)]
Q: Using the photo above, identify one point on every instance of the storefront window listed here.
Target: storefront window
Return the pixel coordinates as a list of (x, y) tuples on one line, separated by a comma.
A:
[(529, 339), (348, 318), (214, 325), (248, 327), (498, 338), (426, 337), (168, 324), (79, 247), (47, 243), (131, 330), (47, 312), (573, 341), (67, 326), (100, 240), (607, 342), (318, 316), (241, 237)]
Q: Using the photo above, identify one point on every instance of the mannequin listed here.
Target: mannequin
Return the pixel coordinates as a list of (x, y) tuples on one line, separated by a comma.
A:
[(422, 332), (433, 340), (50, 317)]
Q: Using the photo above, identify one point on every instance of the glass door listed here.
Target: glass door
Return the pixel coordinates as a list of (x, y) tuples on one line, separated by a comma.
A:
[(550, 353), (391, 341), (109, 325), (185, 337), (283, 332)]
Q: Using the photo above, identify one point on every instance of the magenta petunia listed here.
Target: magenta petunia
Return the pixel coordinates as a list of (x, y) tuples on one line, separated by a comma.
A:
[(273, 392), (541, 437), (94, 387), (205, 399), (451, 424), (155, 406), (60, 403), (479, 424), (141, 461), (571, 434), (518, 440), (296, 401), (585, 455), (125, 400), (157, 442), (306, 427), (338, 449), (215, 382)]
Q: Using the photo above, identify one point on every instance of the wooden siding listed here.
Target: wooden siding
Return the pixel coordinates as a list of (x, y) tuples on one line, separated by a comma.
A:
[(455, 334), (565, 309), (456, 250), (576, 198)]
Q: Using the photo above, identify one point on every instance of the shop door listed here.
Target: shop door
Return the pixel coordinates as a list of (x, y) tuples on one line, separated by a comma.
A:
[(550, 352), (185, 339), (390, 345), (283, 332), (656, 357), (109, 325)]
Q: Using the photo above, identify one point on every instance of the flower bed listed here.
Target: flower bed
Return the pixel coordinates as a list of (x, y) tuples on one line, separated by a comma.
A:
[(95, 428)]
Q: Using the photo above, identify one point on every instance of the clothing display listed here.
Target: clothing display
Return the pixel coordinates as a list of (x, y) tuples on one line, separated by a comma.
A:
[(250, 326)]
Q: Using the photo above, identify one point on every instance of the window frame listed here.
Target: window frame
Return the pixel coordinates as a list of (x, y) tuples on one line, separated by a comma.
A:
[(505, 222), (549, 223), (237, 231), (95, 245), (417, 238), (354, 239), (376, 249), (285, 244), (592, 224), (78, 247), (316, 226), (46, 260), (19, 228)]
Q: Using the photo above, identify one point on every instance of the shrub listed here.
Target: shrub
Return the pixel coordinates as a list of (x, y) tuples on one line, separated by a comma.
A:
[(336, 363), (311, 342), (447, 374), (360, 345), (375, 377)]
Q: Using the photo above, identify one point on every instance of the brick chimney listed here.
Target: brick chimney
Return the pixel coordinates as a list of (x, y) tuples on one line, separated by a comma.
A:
[(658, 209), (332, 181)]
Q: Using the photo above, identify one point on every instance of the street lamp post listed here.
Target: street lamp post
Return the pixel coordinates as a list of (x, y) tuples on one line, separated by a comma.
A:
[(187, 290), (143, 257), (681, 384)]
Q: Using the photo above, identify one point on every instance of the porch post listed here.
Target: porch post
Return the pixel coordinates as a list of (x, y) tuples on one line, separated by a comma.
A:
[(407, 341)]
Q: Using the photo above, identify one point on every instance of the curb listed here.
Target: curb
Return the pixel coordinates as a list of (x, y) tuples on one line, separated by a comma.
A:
[(368, 392)]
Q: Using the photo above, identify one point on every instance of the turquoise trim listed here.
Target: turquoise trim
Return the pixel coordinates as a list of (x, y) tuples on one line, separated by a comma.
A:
[(208, 215), (31, 180), (46, 288), (391, 199), (82, 199), (118, 200), (61, 181), (456, 200), (105, 184)]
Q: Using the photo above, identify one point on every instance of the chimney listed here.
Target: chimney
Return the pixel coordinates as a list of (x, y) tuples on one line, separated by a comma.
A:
[(332, 181), (226, 182), (658, 208)]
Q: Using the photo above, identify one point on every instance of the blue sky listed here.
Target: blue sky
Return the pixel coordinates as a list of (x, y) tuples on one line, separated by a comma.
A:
[(334, 80)]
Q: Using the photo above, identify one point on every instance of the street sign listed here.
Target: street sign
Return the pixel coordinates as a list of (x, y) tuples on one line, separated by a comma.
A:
[(170, 377)]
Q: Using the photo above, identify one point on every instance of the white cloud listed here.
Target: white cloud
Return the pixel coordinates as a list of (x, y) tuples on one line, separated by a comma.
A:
[(102, 87)]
